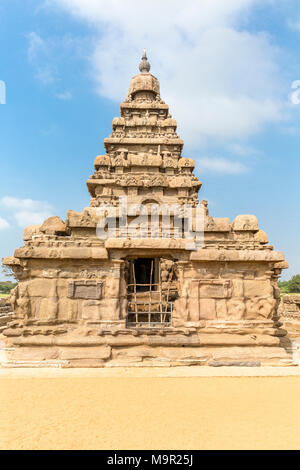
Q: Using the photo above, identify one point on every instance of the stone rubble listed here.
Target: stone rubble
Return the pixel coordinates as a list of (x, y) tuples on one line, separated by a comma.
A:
[(6, 312)]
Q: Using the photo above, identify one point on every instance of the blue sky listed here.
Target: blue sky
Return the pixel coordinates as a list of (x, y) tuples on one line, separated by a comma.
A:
[(226, 69)]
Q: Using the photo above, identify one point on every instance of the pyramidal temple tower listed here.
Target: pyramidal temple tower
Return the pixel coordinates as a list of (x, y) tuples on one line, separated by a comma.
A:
[(144, 275), (143, 154)]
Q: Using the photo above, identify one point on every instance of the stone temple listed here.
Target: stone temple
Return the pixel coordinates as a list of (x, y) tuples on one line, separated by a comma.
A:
[(90, 297)]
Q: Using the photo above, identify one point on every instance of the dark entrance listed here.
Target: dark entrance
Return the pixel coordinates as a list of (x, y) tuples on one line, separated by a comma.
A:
[(151, 291), (144, 273)]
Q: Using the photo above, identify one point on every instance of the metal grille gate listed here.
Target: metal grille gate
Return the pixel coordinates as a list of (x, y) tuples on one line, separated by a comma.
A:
[(153, 305)]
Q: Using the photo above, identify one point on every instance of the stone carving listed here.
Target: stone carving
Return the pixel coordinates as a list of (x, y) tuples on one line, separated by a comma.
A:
[(169, 162), (23, 303), (258, 307), (245, 222), (102, 160), (186, 163), (88, 274), (235, 309)]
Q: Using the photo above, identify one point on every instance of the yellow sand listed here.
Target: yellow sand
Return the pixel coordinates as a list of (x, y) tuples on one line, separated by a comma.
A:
[(96, 410)]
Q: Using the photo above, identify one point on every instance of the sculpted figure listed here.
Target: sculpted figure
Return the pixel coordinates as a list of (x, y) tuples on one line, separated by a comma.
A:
[(13, 297), (53, 302), (23, 303)]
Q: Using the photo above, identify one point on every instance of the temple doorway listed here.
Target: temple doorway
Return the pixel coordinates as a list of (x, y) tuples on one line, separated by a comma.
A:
[(150, 294)]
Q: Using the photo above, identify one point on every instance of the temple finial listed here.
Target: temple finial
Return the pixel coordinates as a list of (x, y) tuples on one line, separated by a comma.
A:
[(144, 64)]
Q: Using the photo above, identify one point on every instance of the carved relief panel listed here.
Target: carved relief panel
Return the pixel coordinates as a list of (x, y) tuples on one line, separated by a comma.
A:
[(89, 290)]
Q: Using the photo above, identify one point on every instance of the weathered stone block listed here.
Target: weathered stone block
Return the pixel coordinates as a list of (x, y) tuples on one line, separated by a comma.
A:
[(221, 224), (91, 310), (30, 231), (221, 309), (100, 352), (85, 289), (258, 307), (212, 288), (110, 309), (258, 288), (237, 288), (41, 287), (207, 309), (68, 309), (236, 309), (194, 309), (261, 237), (35, 354), (83, 363), (53, 225), (245, 222)]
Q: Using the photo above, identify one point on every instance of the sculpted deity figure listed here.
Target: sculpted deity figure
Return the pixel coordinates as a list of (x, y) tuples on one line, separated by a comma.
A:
[(23, 303), (13, 297)]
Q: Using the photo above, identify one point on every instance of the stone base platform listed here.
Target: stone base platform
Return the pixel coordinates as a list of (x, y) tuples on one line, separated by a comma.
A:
[(217, 344)]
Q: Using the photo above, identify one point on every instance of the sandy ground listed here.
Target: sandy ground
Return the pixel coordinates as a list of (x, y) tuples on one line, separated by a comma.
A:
[(178, 408)]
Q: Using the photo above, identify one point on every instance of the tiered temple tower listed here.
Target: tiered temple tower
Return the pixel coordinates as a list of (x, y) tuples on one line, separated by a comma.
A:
[(90, 298), (143, 154)]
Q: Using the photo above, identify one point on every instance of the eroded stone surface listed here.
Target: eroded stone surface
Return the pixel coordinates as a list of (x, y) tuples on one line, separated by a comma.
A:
[(6, 312)]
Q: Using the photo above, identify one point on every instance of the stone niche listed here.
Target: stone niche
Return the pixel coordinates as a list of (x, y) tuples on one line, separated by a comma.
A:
[(204, 294), (212, 288), (88, 290)]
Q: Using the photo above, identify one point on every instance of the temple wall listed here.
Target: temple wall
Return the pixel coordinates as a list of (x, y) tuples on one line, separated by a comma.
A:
[(223, 316), (225, 291), (71, 292), (90, 291), (289, 311)]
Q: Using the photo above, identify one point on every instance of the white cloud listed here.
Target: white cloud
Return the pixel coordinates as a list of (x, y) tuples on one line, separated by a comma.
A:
[(220, 165), (45, 75), (27, 211), (25, 218), (47, 57), (3, 224), (65, 95), (245, 150), (294, 25), (36, 44), (40, 56), (220, 80)]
